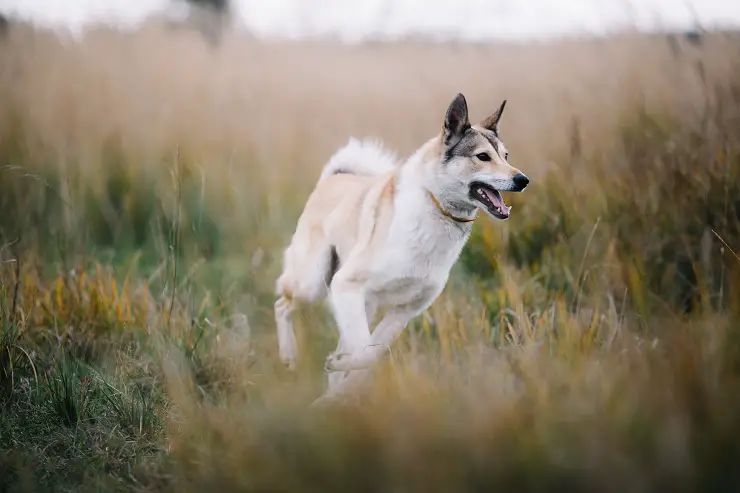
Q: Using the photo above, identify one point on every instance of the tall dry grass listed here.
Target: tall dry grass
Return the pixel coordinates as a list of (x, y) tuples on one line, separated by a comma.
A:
[(292, 104), (149, 181)]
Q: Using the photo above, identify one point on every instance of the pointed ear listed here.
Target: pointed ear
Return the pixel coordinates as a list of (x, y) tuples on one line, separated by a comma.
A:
[(456, 120), (491, 123)]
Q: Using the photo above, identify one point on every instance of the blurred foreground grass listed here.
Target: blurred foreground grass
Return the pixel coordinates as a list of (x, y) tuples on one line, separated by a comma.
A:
[(590, 343)]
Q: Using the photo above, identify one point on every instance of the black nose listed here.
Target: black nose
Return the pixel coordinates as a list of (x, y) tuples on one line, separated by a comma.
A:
[(520, 181)]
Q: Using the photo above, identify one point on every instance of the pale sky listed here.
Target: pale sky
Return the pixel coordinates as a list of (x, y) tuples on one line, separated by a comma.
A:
[(353, 20)]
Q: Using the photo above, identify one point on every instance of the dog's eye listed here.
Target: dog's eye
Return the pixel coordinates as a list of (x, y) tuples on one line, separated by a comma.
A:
[(483, 156), (506, 156)]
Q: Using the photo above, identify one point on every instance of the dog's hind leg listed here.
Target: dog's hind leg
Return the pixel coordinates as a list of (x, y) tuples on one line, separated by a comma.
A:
[(304, 280), (288, 348)]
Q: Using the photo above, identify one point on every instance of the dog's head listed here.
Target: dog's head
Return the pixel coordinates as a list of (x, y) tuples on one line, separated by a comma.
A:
[(474, 162)]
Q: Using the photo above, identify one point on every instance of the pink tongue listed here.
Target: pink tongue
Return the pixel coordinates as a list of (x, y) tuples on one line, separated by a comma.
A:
[(496, 199)]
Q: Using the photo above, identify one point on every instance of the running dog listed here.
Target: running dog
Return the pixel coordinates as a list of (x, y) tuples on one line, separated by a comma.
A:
[(378, 232)]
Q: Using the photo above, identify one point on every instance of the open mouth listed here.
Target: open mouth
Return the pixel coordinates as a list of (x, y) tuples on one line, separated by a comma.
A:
[(491, 199)]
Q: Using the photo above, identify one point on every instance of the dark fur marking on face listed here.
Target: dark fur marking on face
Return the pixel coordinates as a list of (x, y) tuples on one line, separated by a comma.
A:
[(493, 139), (461, 147), (467, 145)]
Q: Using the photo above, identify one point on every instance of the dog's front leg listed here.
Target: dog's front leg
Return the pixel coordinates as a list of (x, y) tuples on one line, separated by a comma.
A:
[(335, 378), (387, 331), (348, 305)]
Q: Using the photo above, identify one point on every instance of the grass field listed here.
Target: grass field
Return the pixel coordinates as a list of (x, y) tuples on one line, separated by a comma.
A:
[(149, 181)]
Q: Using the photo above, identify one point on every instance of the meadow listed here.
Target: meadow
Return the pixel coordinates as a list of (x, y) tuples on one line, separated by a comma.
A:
[(149, 181)]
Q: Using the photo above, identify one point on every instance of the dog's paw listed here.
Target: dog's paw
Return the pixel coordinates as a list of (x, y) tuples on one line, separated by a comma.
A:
[(336, 362), (343, 362), (353, 361)]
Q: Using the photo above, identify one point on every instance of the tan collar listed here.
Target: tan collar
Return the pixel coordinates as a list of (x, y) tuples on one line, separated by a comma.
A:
[(448, 214)]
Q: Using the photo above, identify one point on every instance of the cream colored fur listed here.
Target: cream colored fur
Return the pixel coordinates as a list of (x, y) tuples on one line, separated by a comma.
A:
[(374, 219)]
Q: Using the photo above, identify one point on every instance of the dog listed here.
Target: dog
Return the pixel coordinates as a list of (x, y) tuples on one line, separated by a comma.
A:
[(380, 233)]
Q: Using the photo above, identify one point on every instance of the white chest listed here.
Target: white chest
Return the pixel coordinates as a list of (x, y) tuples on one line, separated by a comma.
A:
[(416, 260)]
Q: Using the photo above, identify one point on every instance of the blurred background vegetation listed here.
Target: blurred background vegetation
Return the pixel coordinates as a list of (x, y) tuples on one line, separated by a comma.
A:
[(149, 181)]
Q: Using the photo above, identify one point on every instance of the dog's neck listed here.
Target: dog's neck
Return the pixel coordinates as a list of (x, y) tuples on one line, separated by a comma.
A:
[(446, 213), (419, 168)]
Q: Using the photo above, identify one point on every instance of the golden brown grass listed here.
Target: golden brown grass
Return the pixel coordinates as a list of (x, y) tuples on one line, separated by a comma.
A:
[(149, 182), (292, 104)]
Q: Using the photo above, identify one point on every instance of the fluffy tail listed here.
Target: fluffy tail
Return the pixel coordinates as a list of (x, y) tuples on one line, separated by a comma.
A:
[(360, 157)]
